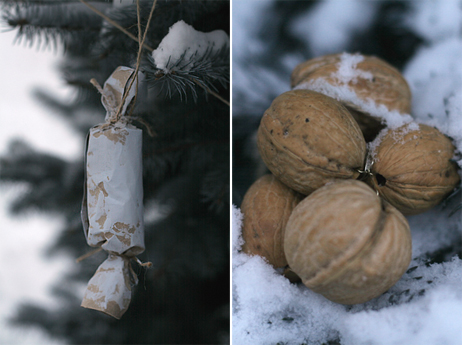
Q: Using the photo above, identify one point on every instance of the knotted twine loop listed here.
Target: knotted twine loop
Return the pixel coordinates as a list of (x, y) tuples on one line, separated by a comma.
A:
[(147, 264), (108, 101), (111, 105), (138, 59)]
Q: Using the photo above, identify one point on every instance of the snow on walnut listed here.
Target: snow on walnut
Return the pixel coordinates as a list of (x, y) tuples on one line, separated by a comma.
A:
[(348, 72), (183, 42)]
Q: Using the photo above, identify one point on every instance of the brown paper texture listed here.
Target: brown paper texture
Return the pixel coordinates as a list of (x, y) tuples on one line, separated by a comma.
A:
[(115, 189), (109, 290), (114, 89), (112, 209)]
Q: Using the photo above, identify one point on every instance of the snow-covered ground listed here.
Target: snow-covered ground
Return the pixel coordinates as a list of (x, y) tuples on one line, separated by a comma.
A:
[(26, 275), (425, 306)]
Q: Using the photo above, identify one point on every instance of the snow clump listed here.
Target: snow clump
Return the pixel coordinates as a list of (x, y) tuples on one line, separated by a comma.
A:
[(183, 44)]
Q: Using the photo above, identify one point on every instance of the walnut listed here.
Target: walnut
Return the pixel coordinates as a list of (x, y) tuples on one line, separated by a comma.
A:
[(347, 243), (267, 206), (412, 168), (377, 81), (307, 139)]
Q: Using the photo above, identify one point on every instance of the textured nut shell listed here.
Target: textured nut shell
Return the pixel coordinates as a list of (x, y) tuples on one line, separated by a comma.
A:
[(388, 87), (307, 139), (346, 243), (417, 168), (303, 70), (267, 206)]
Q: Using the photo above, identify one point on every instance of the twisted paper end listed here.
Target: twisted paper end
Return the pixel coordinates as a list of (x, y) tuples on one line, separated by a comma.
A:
[(110, 288)]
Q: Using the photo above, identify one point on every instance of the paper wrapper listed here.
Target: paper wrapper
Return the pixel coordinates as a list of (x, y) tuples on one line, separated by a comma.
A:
[(115, 189), (112, 210), (109, 290)]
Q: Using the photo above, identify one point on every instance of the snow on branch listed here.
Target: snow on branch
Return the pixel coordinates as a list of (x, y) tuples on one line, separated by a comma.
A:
[(186, 58)]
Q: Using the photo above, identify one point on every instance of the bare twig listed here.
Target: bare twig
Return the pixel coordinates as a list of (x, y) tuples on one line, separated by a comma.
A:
[(109, 20), (211, 92)]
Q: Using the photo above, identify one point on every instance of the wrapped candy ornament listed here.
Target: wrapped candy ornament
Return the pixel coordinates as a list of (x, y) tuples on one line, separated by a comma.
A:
[(112, 209)]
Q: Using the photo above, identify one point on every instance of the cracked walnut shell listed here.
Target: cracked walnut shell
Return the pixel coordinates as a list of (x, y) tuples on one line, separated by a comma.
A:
[(347, 243), (307, 139), (412, 168), (266, 207)]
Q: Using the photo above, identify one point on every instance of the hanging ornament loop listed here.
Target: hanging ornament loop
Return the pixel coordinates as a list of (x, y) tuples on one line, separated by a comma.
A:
[(126, 96)]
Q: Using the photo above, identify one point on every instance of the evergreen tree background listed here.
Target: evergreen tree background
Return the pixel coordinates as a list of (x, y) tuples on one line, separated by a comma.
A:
[(184, 298)]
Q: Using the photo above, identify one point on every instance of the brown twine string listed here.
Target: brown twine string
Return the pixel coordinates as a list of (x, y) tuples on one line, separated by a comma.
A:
[(140, 49), (97, 250), (87, 255), (143, 264), (95, 83), (136, 118), (138, 16)]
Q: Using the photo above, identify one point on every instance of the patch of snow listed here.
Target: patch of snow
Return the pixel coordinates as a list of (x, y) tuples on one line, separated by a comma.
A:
[(343, 93), (347, 70), (183, 42), (435, 78), (397, 133), (268, 309), (237, 240), (424, 307), (436, 20), (434, 318), (245, 27)]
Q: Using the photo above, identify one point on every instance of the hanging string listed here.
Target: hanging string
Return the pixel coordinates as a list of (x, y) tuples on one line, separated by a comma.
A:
[(143, 264), (87, 255), (138, 60)]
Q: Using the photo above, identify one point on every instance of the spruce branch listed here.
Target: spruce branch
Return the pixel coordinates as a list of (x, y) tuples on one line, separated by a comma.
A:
[(183, 75), (54, 184), (50, 23)]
